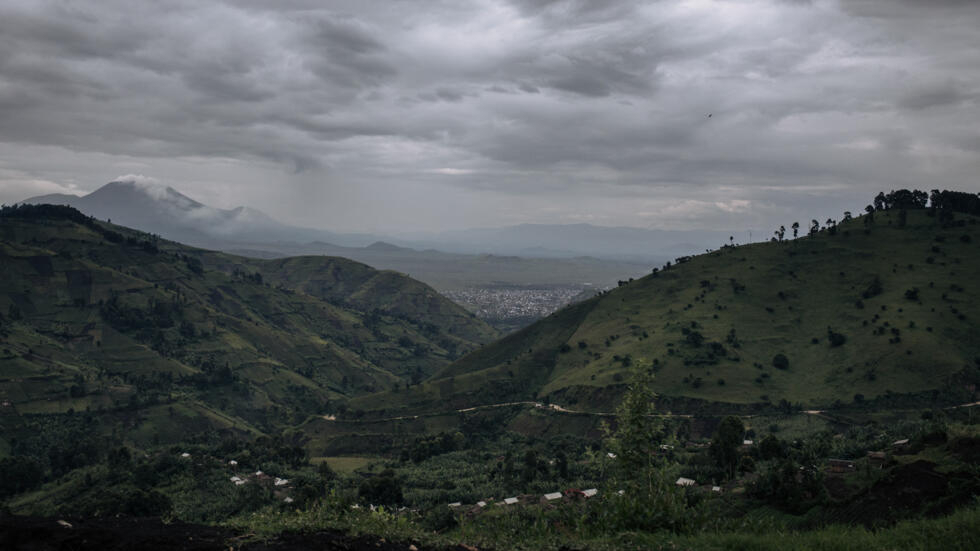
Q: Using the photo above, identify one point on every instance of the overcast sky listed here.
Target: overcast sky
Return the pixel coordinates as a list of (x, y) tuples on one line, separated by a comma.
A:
[(409, 115)]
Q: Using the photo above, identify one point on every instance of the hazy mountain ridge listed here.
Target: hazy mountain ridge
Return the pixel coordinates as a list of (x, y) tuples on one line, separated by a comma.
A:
[(162, 210), (165, 211), (569, 240), (249, 232)]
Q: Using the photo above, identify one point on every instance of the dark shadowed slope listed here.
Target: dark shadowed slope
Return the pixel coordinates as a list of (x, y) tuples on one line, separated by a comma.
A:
[(98, 317)]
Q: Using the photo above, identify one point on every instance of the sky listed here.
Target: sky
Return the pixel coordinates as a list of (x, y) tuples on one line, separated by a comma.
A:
[(408, 116)]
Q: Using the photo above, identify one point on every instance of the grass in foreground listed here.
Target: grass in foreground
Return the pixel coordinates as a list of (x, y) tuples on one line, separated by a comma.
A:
[(521, 529)]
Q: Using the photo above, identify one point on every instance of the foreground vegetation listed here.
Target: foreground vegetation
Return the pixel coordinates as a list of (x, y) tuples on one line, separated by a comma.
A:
[(781, 491)]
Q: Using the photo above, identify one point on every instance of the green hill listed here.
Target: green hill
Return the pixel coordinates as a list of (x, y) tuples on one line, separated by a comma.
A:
[(881, 308), (96, 317)]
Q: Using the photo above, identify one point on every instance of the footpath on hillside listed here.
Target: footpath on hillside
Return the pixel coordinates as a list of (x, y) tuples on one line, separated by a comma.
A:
[(560, 409)]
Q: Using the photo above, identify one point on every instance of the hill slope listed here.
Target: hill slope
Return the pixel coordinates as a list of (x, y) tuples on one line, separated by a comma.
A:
[(863, 312), (98, 317)]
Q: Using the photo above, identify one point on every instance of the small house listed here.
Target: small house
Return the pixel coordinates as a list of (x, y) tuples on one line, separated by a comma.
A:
[(840, 465), (685, 482), (552, 496)]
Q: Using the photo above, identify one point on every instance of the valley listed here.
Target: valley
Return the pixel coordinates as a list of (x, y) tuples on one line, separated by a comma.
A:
[(798, 385), (492, 275)]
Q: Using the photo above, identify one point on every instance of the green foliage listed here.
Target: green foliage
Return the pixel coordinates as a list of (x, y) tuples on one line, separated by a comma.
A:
[(19, 474), (637, 435), (384, 489), (789, 485), (649, 500), (725, 444)]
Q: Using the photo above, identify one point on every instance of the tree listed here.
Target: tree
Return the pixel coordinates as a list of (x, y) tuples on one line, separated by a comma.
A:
[(771, 448), (637, 434), (879, 201), (725, 443), (561, 465), (847, 216), (796, 229), (383, 489), (814, 227), (694, 338), (530, 466), (780, 361), (20, 473), (836, 339), (649, 500)]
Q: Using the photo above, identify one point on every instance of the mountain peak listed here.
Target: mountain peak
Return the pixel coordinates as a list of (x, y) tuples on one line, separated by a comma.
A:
[(140, 189)]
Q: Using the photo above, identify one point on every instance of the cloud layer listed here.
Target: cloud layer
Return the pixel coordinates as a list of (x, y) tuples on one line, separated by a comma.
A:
[(431, 115)]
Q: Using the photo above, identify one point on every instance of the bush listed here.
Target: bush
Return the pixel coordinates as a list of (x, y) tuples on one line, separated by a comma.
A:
[(836, 339), (439, 519), (19, 474), (383, 489), (780, 361), (874, 288)]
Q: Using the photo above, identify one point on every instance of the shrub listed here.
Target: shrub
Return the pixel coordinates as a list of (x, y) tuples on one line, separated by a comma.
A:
[(694, 338), (780, 361), (874, 288), (836, 339)]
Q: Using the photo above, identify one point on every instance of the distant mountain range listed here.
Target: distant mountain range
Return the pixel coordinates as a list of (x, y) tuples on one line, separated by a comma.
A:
[(165, 211), (570, 240)]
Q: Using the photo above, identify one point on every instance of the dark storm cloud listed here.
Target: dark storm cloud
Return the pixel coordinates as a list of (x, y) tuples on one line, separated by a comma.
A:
[(703, 112)]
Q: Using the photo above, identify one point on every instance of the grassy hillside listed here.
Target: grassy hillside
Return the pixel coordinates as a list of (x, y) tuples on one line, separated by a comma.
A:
[(358, 286), (880, 309), (96, 317)]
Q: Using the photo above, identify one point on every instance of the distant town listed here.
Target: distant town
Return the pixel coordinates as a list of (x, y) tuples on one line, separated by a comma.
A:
[(512, 307)]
